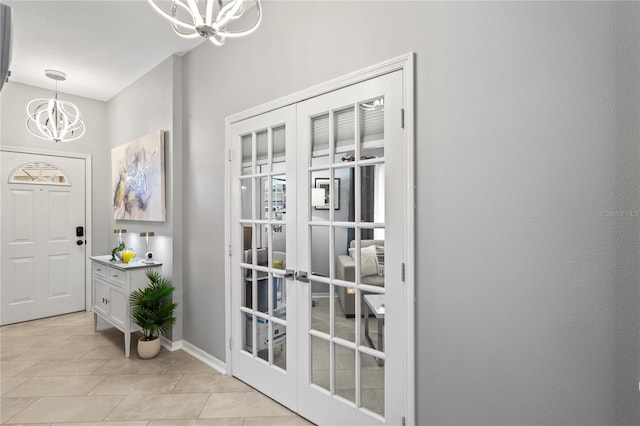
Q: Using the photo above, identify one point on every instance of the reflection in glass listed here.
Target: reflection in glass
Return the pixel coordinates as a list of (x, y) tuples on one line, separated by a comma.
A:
[(245, 198), (320, 362), (246, 155), (247, 288), (280, 345), (343, 327), (262, 338), (344, 130), (320, 135), (372, 128), (372, 270), (320, 250), (261, 147), (278, 197), (345, 374), (262, 199), (279, 146), (372, 378), (246, 322), (320, 306)]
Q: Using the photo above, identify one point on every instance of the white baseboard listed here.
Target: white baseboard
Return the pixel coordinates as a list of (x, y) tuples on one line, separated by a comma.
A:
[(197, 353)]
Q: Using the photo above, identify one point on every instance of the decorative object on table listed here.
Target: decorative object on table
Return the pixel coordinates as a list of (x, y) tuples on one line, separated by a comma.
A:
[(53, 119), (152, 310), (207, 18), (322, 203), (128, 255), (137, 173), (116, 253), (148, 256)]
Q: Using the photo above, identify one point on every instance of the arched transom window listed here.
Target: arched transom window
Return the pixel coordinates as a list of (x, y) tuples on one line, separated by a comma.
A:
[(39, 173)]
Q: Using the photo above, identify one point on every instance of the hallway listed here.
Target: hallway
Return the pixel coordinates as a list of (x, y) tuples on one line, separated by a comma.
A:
[(59, 371)]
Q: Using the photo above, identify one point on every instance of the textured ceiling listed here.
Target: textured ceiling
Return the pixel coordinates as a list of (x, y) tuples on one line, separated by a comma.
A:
[(103, 46)]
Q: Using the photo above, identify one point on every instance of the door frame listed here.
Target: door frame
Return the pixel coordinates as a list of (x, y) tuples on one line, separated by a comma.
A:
[(406, 64), (88, 225)]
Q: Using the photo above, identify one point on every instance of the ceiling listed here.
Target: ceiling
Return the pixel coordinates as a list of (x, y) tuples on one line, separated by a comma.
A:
[(103, 46)]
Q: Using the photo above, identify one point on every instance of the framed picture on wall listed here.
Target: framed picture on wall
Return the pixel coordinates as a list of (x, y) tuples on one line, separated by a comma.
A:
[(320, 199)]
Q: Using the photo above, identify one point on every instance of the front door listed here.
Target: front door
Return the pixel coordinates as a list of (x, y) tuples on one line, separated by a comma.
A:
[(43, 256)]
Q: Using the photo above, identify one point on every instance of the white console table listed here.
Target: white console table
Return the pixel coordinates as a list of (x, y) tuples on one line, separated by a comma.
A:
[(112, 283)]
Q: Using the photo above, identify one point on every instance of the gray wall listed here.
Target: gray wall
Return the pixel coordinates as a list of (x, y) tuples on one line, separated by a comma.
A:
[(526, 152), (152, 103), (13, 102)]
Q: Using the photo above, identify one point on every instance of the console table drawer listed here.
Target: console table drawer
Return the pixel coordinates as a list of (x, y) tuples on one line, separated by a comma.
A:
[(100, 270), (116, 276)]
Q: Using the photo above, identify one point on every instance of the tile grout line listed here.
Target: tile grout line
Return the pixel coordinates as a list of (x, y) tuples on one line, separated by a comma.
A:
[(11, 418), (114, 408)]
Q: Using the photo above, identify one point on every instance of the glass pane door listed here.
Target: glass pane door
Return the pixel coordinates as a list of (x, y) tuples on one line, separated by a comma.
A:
[(350, 241), (263, 199)]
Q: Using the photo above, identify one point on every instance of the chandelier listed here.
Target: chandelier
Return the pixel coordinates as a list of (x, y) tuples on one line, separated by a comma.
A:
[(206, 18), (53, 119)]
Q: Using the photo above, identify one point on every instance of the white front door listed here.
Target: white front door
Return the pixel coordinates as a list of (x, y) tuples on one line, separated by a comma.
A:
[(317, 243), (43, 258)]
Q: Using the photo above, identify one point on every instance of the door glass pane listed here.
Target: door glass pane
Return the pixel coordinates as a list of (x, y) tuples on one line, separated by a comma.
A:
[(344, 261), (279, 145), (262, 338), (246, 154), (344, 130), (246, 192), (372, 378), (319, 251), (279, 197), (371, 256), (320, 135), (374, 310), (262, 198), (262, 146), (344, 326), (280, 345), (247, 288), (320, 306), (372, 128), (246, 322), (345, 372), (320, 362)]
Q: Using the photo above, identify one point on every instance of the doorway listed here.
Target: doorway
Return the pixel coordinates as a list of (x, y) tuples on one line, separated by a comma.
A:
[(43, 235), (319, 245)]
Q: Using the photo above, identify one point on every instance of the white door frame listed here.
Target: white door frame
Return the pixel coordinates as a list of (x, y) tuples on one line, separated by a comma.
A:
[(88, 228), (405, 63)]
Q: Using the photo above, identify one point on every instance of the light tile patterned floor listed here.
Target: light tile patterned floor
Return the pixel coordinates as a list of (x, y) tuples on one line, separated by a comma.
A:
[(59, 371)]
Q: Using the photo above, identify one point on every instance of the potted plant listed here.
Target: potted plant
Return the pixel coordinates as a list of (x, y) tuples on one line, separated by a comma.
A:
[(152, 310)]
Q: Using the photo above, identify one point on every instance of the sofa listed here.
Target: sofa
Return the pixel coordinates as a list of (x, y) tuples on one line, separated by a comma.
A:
[(345, 270)]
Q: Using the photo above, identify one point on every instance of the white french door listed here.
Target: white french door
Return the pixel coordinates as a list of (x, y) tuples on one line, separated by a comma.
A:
[(263, 181), (43, 258), (318, 241)]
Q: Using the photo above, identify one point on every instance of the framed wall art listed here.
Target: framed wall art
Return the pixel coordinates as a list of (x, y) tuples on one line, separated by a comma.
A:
[(138, 173)]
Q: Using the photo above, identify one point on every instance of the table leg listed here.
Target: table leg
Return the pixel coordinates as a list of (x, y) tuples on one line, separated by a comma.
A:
[(127, 344), (380, 340)]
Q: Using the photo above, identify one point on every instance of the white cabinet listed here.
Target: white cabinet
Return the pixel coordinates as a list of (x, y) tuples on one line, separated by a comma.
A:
[(112, 282)]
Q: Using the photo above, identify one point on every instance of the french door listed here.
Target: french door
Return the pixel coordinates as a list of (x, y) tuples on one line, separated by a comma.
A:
[(317, 248)]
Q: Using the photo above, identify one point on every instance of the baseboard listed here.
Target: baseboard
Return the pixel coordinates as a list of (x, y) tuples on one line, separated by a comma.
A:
[(201, 355), (169, 345)]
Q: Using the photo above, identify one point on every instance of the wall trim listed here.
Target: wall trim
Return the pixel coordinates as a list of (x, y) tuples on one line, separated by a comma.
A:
[(201, 355), (88, 212)]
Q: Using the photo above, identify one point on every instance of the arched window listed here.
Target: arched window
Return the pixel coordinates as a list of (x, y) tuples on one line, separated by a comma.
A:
[(39, 173)]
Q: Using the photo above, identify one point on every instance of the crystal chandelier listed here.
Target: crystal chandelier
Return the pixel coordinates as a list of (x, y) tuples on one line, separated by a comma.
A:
[(206, 18), (53, 119)]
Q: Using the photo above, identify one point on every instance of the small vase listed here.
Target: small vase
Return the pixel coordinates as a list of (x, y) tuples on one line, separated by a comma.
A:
[(148, 349)]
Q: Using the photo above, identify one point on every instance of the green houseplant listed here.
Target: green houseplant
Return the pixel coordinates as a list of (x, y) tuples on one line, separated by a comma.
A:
[(152, 310)]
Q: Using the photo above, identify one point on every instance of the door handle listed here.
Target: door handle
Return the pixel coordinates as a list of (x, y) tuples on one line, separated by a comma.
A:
[(79, 242), (302, 277), (284, 274)]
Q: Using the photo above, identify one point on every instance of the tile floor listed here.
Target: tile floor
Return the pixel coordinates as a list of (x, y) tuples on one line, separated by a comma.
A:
[(59, 371)]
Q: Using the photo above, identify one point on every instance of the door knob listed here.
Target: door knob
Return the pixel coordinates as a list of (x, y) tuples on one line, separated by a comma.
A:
[(79, 242)]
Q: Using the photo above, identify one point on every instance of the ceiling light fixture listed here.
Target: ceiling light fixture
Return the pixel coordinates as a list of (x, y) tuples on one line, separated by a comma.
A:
[(195, 18), (52, 119)]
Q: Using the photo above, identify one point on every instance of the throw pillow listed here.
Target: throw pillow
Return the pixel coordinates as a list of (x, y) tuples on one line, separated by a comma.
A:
[(368, 260), (380, 259)]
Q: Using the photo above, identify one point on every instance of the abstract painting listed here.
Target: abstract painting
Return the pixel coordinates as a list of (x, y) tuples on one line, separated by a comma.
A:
[(137, 170)]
